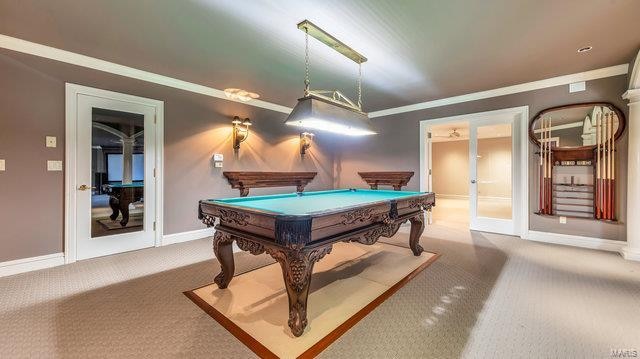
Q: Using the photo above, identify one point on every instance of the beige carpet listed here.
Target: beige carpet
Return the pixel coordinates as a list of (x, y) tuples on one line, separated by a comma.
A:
[(343, 283), (488, 296)]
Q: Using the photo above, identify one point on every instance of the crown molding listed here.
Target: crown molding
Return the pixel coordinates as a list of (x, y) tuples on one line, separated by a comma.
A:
[(52, 53), (634, 79), (509, 90), (633, 96)]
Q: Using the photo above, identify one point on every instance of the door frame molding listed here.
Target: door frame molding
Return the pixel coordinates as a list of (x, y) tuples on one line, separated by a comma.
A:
[(72, 91), (521, 115)]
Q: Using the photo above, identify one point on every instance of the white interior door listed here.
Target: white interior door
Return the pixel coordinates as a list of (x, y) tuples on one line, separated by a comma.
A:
[(493, 172), (114, 183)]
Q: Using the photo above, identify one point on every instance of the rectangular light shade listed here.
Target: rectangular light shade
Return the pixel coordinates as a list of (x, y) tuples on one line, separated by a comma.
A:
[(319, 114)]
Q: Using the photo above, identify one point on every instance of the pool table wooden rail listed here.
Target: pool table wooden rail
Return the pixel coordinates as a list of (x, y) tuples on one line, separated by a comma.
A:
[(244, 181), (298, 241), (396, 179)]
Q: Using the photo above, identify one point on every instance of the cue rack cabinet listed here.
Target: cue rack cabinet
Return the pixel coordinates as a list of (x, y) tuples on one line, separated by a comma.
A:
[(576, 159)]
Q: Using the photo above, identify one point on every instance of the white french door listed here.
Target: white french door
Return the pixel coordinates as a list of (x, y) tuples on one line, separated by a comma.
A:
[(493, 166), (112, 163), (498, 172)]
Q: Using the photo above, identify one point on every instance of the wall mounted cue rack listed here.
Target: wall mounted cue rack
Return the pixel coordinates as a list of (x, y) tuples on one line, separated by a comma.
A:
[(577, 159)]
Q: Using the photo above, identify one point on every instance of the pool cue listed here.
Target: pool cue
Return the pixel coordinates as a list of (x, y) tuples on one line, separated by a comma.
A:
[(549, 169), (596, 189), (605, 189), (609, 164), (603, 171), (544, 178), (613, 168), (541, 177)]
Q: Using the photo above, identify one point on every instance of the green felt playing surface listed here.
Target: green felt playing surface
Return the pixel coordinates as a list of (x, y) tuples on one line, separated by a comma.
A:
[(311, 202)]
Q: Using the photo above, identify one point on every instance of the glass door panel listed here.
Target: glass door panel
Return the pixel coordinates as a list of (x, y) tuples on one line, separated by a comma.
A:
[(491, 171), (494, 171)]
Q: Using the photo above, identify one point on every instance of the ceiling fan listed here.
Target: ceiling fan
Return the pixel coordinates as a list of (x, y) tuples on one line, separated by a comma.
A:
[(453, 134)]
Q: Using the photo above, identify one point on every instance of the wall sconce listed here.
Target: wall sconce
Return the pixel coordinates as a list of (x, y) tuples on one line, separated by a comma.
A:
[(305, 142), (240, 134)]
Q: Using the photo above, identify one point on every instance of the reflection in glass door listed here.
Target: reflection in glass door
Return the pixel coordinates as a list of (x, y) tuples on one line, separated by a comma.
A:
[(117, 172), (491, 176)]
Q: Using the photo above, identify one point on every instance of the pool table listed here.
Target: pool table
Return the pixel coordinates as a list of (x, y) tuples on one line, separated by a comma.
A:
[(121, 196), (299, 229)]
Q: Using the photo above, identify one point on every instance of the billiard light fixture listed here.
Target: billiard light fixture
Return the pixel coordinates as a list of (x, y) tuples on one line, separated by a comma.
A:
[(240, 134), (330, 110), (305, 142)]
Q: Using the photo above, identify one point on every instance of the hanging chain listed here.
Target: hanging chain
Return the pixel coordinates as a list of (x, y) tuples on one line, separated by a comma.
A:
[(307, 80), (360, 85)]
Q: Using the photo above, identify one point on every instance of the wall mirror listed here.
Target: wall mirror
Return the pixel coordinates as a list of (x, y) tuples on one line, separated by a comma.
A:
[(577, 125)]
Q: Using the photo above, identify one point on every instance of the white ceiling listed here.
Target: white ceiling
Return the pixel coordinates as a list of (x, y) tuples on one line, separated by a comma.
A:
[(418, 50)]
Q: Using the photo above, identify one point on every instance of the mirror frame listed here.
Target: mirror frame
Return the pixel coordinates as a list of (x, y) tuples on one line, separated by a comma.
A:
[(609, 105)]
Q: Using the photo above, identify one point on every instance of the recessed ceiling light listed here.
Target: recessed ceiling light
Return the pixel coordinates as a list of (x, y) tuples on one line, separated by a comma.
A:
[(240, 94), (585, 49)]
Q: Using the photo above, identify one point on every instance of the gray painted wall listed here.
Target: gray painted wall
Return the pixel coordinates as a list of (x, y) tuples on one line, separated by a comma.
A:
[(32, 199), (32, 99), (396, 147)]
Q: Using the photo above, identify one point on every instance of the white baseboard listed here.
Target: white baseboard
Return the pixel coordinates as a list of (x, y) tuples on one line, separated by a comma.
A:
[(174, 238), (629, 254), (577, 241), (31, 264)]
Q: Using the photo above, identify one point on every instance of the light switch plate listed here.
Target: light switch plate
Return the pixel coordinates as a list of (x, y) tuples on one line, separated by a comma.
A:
[(217, 164), (54, 165), (51, 141), (218, 157), (577, 87), (563, 220), (2, 168)]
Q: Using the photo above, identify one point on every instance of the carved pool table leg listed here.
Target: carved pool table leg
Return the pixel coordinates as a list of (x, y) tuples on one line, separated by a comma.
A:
[(114, 203), (223, 249), (417, 227), (124, 209), (297, 266)]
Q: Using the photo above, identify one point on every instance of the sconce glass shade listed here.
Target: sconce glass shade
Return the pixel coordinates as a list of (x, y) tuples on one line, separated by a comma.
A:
[(316, 113), (246, 122), (236, 120)]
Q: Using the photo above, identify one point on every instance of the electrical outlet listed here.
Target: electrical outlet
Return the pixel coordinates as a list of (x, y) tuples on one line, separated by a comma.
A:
[(563, 220), (217, 164), (54, 165), (2, 168), (51, 141), (218, 157)]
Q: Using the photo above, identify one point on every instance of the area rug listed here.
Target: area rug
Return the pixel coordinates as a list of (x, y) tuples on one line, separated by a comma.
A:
[(111, 225), (346, 285)]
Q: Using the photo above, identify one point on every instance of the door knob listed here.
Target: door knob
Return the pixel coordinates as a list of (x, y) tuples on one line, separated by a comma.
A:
[(84, 187), (473, 181)]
